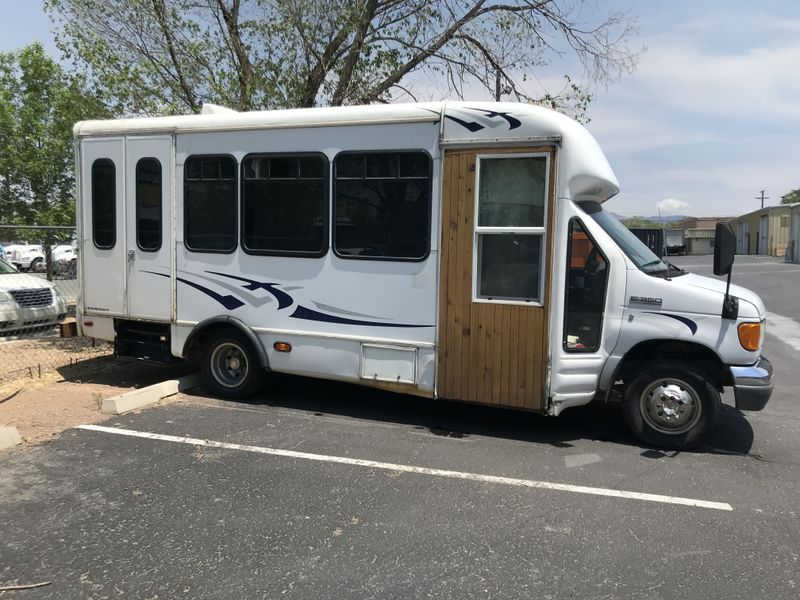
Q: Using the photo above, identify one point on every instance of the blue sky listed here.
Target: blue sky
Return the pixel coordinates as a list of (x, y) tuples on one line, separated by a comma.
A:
[(710, 117)]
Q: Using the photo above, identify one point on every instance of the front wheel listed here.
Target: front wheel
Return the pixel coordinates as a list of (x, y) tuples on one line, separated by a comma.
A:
[(671, 405), (230, 366), (36, 265)]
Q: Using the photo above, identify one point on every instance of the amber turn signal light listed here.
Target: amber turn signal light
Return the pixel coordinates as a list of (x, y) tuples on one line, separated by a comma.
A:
[(750, 335), (282, 346)]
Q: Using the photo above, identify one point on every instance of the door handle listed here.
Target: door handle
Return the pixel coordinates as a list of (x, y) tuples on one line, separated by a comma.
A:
[(131, 255)]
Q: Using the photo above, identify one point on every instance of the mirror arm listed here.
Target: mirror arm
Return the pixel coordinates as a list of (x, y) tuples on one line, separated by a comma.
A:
[(730, 304)]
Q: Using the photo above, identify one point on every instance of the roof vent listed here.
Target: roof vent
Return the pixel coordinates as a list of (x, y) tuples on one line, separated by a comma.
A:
[(215, 109)]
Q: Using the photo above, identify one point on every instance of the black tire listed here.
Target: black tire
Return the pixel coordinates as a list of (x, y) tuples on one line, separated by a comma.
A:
[(36, 264), (230, 366), (671, 405)]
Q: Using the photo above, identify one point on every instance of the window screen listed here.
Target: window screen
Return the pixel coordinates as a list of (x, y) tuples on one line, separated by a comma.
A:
[(510, 227), (209, 201), (285, 204), (382, 205), (104, 200), (148, 204)]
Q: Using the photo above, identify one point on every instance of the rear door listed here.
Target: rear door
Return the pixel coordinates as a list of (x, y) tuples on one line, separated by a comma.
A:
[(148, 249), (102, 244), (495, 276)]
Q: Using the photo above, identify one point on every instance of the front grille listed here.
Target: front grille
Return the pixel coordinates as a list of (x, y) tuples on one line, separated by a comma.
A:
[(33, 298)]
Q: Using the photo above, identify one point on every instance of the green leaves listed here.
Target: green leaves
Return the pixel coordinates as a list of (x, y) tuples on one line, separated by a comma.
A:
[(170, 56), (39, 104), (791, 197)]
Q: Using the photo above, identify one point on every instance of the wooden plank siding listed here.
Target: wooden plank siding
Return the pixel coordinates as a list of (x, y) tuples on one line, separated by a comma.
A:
[(488, 353)]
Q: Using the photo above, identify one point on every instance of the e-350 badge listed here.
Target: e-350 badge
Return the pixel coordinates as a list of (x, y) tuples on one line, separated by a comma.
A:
[(646, 300)]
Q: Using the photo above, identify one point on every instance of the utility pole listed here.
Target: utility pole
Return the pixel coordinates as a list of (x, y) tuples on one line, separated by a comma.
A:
[(762, 197)]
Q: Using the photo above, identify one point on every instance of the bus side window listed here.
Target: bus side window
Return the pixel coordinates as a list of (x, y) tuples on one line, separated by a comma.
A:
[(382, 205), (209, 203), (587, 279), (148, 204), (104, 201), (285, 204)]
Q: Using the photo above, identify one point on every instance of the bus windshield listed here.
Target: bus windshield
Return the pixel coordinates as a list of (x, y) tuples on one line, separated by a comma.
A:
[(631, 245)]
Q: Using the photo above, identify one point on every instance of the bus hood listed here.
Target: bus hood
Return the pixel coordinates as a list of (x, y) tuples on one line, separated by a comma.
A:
[(716, 285)]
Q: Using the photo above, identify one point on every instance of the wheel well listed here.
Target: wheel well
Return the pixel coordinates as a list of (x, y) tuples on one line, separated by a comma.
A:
[(651, 351), (203, 331)]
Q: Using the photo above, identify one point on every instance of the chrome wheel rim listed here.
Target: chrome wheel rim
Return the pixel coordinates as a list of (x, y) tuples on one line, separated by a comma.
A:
[(229, 364), (670, 406)]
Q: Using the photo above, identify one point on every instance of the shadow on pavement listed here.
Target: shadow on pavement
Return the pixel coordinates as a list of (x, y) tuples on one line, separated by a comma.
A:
[(123, 372), (595, 422)]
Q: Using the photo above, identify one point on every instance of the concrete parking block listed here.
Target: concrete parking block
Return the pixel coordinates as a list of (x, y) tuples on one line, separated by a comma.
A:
[(9, 436), (117, 405)]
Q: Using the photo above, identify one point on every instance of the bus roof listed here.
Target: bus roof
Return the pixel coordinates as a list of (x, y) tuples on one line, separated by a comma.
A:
[(584, 172)]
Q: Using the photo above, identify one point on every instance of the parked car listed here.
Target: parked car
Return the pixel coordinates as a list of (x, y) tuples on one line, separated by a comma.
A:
[(28, 302), (30, 257)]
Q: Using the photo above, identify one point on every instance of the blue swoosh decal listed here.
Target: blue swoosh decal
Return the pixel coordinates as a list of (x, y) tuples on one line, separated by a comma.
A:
[(513, 122), (688, 322), (471, 125), (229, 302), (284, 300), (282, 297), (308, 314)]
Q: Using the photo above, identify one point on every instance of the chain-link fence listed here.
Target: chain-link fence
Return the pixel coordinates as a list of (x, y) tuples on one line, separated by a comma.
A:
[(38, 293)]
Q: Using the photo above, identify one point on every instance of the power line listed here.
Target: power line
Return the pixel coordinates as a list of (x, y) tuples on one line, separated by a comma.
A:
[(762, 197)]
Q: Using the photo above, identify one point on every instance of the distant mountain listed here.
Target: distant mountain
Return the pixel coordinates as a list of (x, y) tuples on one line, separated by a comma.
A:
[(667, 218), (655, 219)]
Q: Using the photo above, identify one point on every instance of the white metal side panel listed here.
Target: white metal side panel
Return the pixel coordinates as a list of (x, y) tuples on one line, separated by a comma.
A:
[(103, 269), (315, 303), (149, 271)]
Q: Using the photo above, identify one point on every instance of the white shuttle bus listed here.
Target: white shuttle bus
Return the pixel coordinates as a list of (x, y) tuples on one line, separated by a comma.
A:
[(456, 250)]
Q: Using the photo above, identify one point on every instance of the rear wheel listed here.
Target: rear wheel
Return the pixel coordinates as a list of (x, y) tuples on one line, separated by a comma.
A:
[(230, 366), (36, 265), (671, 405)]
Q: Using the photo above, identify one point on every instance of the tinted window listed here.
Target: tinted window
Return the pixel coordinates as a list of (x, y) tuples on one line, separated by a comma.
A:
[(104, 200), (148, 204), (586, 291), (382, 205), (284, 204), (209, 200), (509, 267)]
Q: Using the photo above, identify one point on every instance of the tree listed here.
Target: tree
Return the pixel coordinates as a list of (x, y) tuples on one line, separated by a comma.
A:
[(170, 56), (39, 104), (791, 197), (639, 222)]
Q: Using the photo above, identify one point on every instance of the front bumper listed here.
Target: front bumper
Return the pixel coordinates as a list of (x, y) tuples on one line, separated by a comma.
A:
[(14, 318), (752, 386)]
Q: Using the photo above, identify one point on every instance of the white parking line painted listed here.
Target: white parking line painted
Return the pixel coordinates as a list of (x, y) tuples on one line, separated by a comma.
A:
[(785, 329), (398, 468)]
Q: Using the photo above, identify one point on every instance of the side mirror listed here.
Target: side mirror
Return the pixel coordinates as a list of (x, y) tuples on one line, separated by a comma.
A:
[(724, 249)]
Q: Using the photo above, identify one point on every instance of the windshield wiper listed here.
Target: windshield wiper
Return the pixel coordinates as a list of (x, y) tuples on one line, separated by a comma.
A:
[(651, 263)]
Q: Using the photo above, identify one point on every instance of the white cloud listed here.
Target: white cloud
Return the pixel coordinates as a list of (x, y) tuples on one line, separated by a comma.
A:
[(756, 83), (672, 205), (624, 134)]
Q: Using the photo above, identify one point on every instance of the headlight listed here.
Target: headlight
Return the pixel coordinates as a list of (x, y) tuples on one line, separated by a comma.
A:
[(4, 297), (751, 335)]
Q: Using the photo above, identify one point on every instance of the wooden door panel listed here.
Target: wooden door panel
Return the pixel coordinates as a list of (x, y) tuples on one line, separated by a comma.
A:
[(489, 353)]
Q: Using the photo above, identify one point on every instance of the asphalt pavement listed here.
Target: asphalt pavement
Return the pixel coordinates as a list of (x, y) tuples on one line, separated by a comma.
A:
[(325, 490)]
